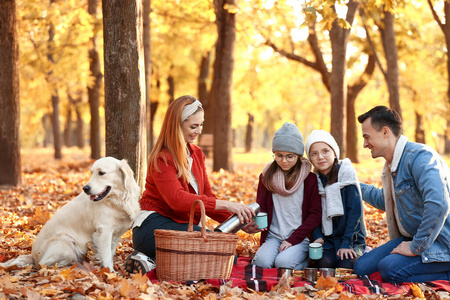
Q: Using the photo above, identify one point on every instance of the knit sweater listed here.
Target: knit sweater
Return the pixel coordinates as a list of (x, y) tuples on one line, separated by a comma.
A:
[(172, 197), (311, 209)]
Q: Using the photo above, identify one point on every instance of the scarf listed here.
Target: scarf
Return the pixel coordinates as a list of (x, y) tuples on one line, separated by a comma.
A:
[(278, 178), (395, 228), (331, 195)]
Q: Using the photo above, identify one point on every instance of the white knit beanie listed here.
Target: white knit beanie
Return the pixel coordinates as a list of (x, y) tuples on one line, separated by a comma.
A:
[(322, 136), (288, 139)]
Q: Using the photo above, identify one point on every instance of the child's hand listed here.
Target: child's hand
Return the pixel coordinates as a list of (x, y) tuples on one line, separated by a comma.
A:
[(284, 245), (319, 240), (252, 228)]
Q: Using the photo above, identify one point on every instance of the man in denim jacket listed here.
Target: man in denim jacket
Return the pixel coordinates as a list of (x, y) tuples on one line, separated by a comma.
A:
[(415, 196)]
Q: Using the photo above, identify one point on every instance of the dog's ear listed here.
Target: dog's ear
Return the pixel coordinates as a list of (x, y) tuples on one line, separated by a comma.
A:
[(128, 175), (132, 190)]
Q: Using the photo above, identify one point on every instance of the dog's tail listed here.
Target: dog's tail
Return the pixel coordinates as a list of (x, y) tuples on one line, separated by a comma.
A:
[(18, 262)]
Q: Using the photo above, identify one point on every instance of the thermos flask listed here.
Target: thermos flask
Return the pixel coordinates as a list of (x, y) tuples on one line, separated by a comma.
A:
[(232, 224)]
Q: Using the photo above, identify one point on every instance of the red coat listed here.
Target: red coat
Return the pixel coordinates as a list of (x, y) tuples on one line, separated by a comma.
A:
[(311, 209), (172, 197)]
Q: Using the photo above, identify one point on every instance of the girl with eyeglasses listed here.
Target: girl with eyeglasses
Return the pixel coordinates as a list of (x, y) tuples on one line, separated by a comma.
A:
[(342, 232), (288, 193)]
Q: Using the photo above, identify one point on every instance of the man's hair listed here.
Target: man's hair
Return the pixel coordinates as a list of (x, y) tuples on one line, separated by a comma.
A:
[(383, 116)]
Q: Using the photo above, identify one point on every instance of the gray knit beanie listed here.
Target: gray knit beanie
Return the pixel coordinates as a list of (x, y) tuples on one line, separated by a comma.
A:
[(288, 139)]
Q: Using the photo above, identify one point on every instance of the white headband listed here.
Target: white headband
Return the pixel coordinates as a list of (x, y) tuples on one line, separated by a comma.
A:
[(190, 109)]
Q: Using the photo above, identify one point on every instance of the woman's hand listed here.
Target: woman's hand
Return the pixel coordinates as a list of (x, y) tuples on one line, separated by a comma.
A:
[(403, 249), (244, 213), (252, 227), (346, 253), (284, 245), (320, 241)]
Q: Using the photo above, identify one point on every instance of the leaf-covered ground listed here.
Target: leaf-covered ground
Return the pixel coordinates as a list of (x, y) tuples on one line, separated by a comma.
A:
[(48, 184)]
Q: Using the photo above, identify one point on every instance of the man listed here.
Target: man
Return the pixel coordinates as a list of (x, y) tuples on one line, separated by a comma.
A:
[(415, 196)]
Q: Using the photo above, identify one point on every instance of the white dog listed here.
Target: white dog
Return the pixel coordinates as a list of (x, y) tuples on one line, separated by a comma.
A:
[(101, 214)]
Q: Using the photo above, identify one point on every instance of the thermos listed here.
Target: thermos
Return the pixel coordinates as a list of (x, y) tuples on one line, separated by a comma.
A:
[(232, 224)]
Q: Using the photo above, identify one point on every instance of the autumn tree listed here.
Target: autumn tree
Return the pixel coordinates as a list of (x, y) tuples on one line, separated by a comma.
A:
[(203, 92), (56, 123), (444, 25), (181, 44), (94, 89), (148, 71), (125, 84), (54, 60), (223, 82), (9, 96), (343, 94), (383, 19)]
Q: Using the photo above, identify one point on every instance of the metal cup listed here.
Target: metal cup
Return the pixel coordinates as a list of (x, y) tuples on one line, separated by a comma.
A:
[(315, 251), (282, 271), (261, 220), (327, 272), (310, 274)]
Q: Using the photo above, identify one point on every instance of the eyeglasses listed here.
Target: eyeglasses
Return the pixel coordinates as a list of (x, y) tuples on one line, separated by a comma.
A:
[(289, 158), (315, 155)]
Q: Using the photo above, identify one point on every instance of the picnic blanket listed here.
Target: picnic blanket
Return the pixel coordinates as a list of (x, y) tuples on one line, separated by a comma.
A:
[(246, 275)]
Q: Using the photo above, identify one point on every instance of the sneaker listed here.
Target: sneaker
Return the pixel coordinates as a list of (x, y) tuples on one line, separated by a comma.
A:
[(139, 262)]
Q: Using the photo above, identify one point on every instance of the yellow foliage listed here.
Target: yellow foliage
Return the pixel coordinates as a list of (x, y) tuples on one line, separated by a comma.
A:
[(417, 291)]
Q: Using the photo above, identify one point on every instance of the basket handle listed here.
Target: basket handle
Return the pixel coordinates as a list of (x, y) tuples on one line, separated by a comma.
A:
[(202, 220)]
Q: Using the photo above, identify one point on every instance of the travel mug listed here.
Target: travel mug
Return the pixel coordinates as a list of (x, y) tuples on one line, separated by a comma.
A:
[(315, 251)]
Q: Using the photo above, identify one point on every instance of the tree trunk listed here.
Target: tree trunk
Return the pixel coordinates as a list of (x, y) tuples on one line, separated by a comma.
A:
[(154, 106), (46, 125), (223, 83), (352, 132), (203, 95), (148, 71), (94, 90), (338, 91), (80, 128), (447, 42), (352, 94), (171, 89), (125, 84), (420, 132), (249, 133), (390, 51), (68, 128), (56, 124), (10, 160), (445, 27), (338, 88)]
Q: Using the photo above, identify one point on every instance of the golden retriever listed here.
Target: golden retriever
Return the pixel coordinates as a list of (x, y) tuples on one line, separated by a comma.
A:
[(101, 214)]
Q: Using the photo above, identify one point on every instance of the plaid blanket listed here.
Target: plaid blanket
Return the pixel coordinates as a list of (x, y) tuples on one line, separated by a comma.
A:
[(246, 275)]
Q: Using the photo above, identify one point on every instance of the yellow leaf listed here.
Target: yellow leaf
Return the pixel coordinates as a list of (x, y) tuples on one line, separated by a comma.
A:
[(344, 24), (231, 8), (417, 291)]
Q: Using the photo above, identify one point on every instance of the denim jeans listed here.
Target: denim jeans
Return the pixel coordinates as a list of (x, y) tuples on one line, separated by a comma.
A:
[(399, 268), (268, 256), (144, 236)]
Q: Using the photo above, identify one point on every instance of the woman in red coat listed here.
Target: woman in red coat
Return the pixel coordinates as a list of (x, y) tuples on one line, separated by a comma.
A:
[(176, 177)]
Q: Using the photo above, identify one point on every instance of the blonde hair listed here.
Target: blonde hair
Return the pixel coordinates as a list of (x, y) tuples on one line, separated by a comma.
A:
[(172, 139)]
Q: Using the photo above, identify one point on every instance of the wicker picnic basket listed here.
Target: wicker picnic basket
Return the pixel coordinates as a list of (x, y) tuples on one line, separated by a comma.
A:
[(194, 255)]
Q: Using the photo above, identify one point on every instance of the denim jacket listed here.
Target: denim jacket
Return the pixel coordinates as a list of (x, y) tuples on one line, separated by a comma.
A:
[(348, 230), (421, 183)]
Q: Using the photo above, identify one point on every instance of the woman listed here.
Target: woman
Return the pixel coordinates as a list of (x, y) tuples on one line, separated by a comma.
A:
[(343, 233), (176, 177), (288, 193)]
